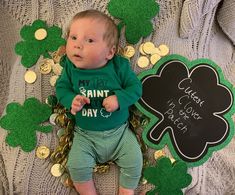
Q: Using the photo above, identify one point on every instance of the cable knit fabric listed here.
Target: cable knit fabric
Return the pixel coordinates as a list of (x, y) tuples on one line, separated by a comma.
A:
[(192, 28)]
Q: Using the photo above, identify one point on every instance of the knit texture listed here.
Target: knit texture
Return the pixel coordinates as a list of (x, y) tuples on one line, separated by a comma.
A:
[(192, 28)]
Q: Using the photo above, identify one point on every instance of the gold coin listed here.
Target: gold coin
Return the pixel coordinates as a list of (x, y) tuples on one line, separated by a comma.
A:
[(45, 67), (164, 50), (52, 118), (129, 51), (61, 50), (42, 152), (143, 62), (144, 181), (57, 170), (40, 34), (154, 58), (67, 181), (60, 132), (30, 76), (57, 69), (53, 80), (158, 154), (155, 50), (56, 57), (141, 49), (148, 47)]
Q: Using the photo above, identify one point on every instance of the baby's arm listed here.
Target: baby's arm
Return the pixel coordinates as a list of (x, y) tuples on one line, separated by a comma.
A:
[(78, 103), (111, 103)]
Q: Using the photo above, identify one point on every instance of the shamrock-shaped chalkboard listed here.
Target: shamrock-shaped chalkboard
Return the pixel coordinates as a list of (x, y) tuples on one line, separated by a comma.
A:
[(39, 39), (22, 121), (135, 15), (167, 178), (190, 105)]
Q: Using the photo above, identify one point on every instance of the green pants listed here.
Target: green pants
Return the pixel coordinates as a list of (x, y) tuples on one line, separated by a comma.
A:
[(119, 145)]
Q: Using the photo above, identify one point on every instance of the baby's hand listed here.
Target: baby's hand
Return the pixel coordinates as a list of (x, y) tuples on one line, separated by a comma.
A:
[(78, 103), (111, 103)]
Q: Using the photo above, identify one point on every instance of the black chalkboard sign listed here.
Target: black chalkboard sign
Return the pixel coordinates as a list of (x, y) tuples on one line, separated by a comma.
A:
[(189, 104)]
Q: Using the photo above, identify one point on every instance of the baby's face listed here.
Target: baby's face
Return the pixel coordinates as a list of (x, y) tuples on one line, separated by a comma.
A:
[(86, 47)]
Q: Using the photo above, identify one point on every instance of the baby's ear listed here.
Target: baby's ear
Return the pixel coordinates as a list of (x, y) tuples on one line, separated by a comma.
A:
[(111, 52)]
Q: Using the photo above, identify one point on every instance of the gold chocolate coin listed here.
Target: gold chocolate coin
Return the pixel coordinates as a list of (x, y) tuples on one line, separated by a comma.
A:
[(164, 50), (42, 152), (53, 80), (52, 118), (155, 51), (148, 47), (57, 69), (40, 34), (45, 68), (61, 50), (143, 62), (144, 181), (57, 170), (141, 49), (154, 58), (30, 76), (129, 51), (158, 154)]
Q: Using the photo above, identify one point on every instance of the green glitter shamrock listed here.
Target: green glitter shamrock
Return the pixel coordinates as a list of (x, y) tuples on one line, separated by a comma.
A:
[(136, 15), (23, 121), (39, 40), (168, 178)]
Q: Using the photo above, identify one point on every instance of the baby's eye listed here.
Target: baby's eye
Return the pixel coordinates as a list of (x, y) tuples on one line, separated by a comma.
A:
[(90, 40), (73, 37)]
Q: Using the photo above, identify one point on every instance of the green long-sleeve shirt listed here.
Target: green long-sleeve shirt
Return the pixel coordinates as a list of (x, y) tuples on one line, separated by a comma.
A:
[(116, 77)]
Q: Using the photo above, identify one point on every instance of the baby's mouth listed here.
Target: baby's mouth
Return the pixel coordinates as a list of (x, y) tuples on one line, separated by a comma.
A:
[(77, 56)]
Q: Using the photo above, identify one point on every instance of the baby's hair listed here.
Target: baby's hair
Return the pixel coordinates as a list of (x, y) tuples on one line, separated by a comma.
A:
[(111, 33)]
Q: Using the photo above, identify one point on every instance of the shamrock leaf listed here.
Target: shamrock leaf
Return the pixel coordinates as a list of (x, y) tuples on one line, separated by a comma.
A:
[(39, 39), (168, 178), (104, 113), (23, 121), (136, 15)]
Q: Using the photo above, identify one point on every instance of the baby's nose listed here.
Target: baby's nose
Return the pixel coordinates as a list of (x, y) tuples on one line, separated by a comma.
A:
[(78, 45)]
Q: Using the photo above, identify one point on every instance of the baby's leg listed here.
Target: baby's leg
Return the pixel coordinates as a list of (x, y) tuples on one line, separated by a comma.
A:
[(81, 163), (86, 188), (130, 161)]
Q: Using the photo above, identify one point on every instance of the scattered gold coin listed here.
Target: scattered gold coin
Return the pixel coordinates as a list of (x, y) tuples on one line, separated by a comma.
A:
[(61, 50), (129, 51), (53, 80), (57, 170), (143, 62), (52, 118), (141, 49), (148, 47), (57, 69), (155, 51), (164, 50), (144, 181), (40, 34), (154, 58), (158, 154), (42, 152), (30, 76), (45, 67)]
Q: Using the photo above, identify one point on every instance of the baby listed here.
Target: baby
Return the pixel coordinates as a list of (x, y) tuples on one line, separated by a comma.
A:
[(98, 86)]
